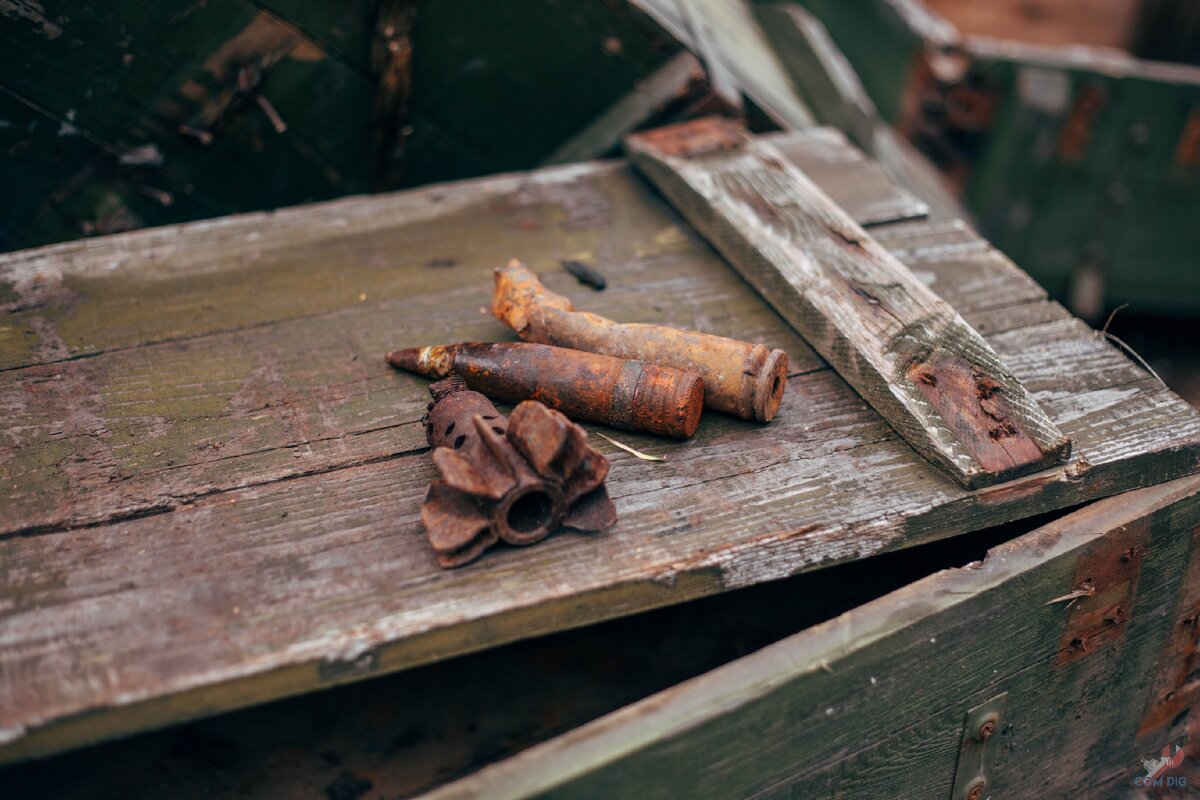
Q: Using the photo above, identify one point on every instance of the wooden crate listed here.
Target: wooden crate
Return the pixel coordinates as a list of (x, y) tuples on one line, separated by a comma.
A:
[(1082, 163), (1079, 637), (85, 89), (212, 481), (854, 638)]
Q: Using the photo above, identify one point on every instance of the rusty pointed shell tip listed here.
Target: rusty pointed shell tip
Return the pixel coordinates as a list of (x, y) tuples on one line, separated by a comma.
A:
[(409, 359)]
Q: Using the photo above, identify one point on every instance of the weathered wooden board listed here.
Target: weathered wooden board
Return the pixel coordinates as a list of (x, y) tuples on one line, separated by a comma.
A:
[(906, 350), (415, 730), (735, 52), (872, 703), (827, 83), (212, 479), (669, 84)]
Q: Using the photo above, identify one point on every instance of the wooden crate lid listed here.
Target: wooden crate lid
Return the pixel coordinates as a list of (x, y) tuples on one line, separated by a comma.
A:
[(212, 480)]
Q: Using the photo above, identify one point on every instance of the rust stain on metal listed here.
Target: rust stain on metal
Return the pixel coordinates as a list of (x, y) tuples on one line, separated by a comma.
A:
[(627, 394), (740, 378), (1080, 122), (1176, 686), (694, 138), (1187, 149), (946, 109), (974, 407), (1106, 576), (515, 479)]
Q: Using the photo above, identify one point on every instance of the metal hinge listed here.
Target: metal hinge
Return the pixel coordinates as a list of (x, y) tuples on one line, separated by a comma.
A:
[(980, 740)]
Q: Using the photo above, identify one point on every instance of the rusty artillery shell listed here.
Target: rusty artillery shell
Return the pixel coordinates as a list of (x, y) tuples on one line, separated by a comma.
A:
[(740, 378), (624, 394), (513, 479)]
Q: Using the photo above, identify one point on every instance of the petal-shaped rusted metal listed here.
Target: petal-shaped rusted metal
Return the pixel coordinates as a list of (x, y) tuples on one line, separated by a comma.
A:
[(513, 479)]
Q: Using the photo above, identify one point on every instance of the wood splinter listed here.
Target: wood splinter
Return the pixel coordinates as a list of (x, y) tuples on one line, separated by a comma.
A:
[(740, 378), (904, 349)]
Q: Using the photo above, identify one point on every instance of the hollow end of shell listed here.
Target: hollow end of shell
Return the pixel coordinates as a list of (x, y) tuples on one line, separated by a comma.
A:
[(529, 514), (770, 385)]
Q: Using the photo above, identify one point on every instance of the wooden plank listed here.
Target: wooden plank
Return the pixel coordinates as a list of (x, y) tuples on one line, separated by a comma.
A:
[(308, 261), (175, 416), (871, 704), (857, 184), (827, 82), (726, 36), (255, 434), (415, 730), (670, 83), (906, 350), (819, 72)]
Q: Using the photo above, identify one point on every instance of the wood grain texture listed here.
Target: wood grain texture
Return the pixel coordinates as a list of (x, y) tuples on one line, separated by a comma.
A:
[(212, 479), (871, 704), (823, 76), (415, 730), (671, 83), (906, 350)]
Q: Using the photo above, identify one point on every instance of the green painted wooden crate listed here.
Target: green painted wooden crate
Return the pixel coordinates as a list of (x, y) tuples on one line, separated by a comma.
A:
[(92, 98), (1081, 163)]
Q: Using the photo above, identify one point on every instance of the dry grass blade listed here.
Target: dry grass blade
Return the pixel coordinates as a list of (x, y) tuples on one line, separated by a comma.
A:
[(1112, 338), (628, 449)]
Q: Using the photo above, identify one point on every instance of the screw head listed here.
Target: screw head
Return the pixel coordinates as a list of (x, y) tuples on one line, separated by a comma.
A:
[(975, 788), (987, 726)]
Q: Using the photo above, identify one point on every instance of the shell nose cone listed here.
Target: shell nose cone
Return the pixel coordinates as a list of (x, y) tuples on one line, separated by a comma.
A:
[(409, 359)]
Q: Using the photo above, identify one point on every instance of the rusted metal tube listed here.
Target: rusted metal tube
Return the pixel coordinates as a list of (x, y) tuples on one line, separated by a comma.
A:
[(632, 395), (740, 378), (513, 479)]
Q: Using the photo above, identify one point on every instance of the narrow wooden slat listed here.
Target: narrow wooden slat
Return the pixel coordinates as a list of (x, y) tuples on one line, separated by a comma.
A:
[(872, 703), (667, 84), (735, 52), (854, 182), (902, 347)]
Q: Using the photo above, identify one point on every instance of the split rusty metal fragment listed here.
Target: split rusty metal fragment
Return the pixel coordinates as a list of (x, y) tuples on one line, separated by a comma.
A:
[(514, 480), (631, 395), (740, 378)]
